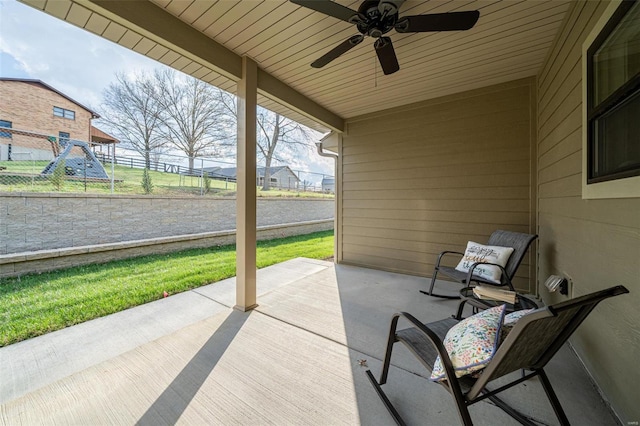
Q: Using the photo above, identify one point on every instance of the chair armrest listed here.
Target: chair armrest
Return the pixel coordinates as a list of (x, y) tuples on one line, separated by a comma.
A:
[(436, 342), (504, 274), (441, 255)]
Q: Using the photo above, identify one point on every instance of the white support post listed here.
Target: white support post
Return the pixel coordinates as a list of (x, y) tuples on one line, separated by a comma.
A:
[(113, 160), (201, 177), (246, 188)]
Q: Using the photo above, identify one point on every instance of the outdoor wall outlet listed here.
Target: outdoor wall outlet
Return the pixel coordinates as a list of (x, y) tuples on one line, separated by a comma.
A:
[(569, 289), (557, 283)]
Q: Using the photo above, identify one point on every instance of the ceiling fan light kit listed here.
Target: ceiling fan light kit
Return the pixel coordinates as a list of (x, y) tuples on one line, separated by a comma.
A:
[(375, 18)]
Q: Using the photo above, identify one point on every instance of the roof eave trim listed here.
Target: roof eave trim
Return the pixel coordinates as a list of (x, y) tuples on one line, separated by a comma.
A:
[(158, 25)]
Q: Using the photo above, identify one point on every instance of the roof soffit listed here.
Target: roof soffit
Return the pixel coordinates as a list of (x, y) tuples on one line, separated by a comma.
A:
[(164, 28), (150, 30), (509, 42)]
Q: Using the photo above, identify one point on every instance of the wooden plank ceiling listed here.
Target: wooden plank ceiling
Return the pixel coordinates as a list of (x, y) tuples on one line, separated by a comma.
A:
[(510, 41)]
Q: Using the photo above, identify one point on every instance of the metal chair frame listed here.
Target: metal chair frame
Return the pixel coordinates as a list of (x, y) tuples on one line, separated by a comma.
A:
[(531, 344), (519, 241)]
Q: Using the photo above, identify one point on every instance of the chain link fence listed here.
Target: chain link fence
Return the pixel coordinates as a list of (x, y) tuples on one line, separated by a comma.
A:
[(33, 162)]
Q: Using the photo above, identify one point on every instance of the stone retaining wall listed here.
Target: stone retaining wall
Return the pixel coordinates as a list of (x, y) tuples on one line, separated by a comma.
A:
[(47, 260), (35, 222)]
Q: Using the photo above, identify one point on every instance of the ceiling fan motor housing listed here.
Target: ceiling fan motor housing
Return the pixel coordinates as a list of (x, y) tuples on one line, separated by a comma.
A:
[(375, 18), (374, 21)]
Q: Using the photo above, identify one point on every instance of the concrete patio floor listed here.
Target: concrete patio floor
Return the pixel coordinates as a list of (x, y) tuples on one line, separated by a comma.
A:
[(296, 359)]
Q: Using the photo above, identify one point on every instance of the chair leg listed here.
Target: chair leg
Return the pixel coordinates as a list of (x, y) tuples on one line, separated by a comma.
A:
[(455, 391), (463, 410), (521, 418), (458, 315), (389, 406), (433, 283), (391, 340), (553, 399)]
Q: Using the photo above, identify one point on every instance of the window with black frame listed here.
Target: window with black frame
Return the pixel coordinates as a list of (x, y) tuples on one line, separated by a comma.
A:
[(613, 101), (7, 125), (65, 113), (63, 137)]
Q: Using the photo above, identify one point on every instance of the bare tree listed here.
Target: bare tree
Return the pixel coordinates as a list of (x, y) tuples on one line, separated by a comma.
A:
[(194, 120), (133, 115), (275, 132)]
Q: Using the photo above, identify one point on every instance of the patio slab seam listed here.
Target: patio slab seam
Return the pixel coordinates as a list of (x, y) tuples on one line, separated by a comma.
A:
[(323, 293), (37, 362)]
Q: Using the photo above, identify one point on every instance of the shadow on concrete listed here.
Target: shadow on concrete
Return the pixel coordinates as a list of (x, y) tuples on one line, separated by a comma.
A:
[(175, 399)]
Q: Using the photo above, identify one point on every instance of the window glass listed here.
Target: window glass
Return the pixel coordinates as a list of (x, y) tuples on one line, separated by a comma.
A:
[(65, 113), (613, 132), (618, 58), (6, 124), (617, 135), (63, 136)]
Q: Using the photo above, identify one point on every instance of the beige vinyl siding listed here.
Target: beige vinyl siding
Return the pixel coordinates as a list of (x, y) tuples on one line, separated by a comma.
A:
[(429, 177), (595, 242)]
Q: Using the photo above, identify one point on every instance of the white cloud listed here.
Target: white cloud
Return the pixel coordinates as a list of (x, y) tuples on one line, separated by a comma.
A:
[(80, 64), (72, 60)]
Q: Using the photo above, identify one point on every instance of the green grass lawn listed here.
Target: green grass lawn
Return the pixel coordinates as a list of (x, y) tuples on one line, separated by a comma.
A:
[(128, 181), (36, 304)]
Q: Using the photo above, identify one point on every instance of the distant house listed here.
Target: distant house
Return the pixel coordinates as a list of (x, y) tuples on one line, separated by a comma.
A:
[(34, 106), (329, 184), (101, 139), (280, 176)]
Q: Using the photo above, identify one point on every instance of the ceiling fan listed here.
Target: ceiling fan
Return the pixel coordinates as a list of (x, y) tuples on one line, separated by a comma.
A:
[(374, 18)]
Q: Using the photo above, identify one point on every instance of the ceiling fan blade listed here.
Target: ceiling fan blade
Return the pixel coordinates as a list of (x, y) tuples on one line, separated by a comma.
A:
[(343, 47), (389, 7), (453, 21), (328, 8), (386, 55)]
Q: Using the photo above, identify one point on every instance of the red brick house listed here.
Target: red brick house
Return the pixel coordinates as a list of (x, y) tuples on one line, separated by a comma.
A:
[(34, 106)]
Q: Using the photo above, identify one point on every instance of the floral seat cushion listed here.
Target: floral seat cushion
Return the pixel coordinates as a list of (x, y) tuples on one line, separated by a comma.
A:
[(471, 343)]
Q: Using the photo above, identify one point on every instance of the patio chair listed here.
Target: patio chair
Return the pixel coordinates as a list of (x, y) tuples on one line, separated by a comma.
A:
[(533, 341), (520, 242)]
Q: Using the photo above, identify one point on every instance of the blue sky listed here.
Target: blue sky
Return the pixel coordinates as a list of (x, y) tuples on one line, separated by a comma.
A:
[(79, 63), (74, 61)]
